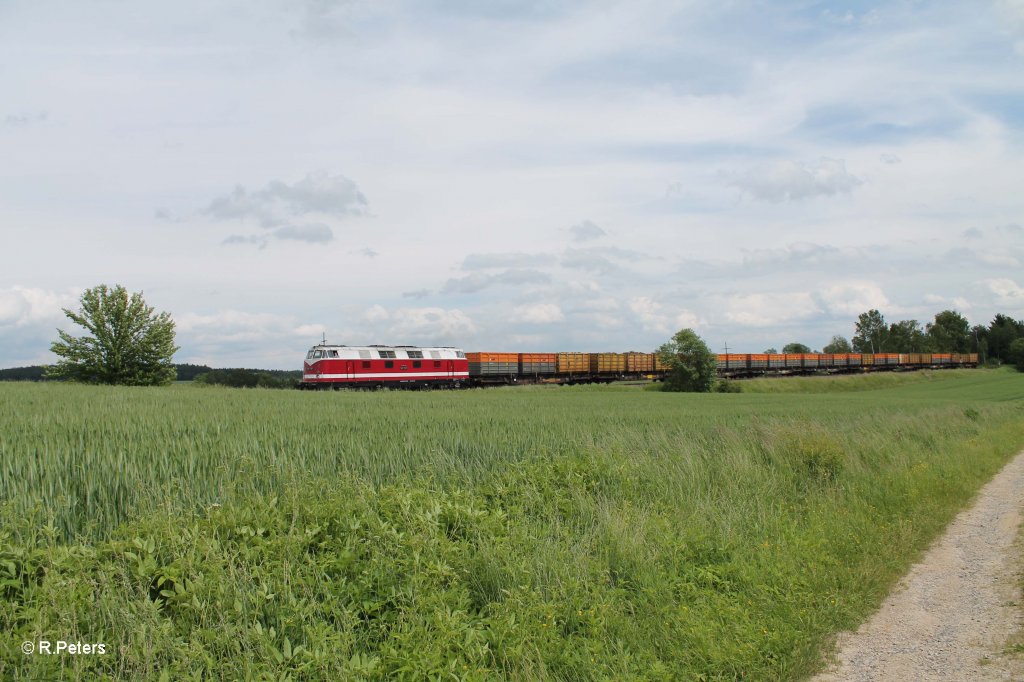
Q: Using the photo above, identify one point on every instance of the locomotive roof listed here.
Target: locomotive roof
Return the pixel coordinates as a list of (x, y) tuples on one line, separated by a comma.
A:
[(377, 346)]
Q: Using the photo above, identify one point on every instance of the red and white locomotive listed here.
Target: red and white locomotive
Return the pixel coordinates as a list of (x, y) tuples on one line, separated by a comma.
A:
[(331, 366)]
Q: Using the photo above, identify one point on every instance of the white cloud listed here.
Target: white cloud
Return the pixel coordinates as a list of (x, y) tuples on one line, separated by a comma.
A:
[(651, 314), (656, 317), (235, 326), (1007, 291), (769, 309), (22, 306), (538, 313), (854, 298), (418, 326), (687, 319), (604, 303), (602, 320), (1013, 13), (478, 281), (794, 181)]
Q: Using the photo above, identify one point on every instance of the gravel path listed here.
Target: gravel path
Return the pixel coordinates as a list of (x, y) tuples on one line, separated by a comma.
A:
[(951, 616)]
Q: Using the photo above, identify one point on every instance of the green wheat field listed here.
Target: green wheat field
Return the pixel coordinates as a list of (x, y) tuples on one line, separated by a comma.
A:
[(542, 533)]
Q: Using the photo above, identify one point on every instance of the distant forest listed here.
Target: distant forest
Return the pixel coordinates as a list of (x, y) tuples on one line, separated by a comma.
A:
[(239, 377)]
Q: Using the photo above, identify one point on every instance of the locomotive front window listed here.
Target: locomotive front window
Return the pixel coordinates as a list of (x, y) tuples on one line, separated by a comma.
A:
[(309, 355), (317, 354), (459, 354)]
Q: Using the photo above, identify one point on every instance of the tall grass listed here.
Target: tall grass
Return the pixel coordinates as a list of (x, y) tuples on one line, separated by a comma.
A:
[(530, 533)]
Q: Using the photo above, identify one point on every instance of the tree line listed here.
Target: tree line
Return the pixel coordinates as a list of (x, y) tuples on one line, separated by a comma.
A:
[(201, 374), (949, 332)]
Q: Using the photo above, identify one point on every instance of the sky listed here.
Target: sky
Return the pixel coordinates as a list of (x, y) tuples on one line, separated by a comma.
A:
[(528, 175)]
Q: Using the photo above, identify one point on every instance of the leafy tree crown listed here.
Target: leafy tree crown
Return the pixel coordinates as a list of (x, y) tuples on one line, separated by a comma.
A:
[(691, 363), (126, 341)]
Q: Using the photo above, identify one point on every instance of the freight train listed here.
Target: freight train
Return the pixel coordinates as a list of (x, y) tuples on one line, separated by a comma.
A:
[(334, 366)]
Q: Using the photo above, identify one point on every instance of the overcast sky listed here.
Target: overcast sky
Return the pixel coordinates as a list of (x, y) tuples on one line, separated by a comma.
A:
[(509, 175)]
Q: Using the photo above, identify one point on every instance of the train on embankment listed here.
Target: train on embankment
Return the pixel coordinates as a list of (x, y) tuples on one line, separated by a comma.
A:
[(335, 366)]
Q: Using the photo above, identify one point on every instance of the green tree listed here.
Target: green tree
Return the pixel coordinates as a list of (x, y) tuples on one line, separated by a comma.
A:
[(870, 332), (796, 348), (126, 342), (770, 351), (950, 333), (1002, 332), (838, 344), (1016, 354), (907, 336), (691, 363)]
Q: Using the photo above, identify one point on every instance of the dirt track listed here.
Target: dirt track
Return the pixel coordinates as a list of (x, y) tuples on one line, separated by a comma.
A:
[(951, 616)]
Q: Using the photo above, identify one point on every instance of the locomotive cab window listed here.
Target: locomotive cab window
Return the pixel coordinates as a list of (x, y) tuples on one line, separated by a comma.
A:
[(459, 354), (317, 354), (334, 353), (309, 355)]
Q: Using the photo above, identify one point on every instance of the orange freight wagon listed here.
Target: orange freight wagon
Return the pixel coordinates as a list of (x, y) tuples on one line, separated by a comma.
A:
[(607, 363), (733, 361), (573, 363), (810, 359), (493, 364), (639, 362), (538, 363)]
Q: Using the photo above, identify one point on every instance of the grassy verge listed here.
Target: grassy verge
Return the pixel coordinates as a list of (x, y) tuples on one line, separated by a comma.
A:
[(842, 383), (528, 534)]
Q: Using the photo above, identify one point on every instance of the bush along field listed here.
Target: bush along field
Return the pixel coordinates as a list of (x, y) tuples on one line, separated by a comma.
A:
[(577, 533)]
